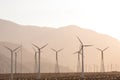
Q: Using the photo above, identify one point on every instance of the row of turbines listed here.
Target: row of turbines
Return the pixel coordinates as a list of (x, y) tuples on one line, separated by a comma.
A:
[(95, 68), (80, 52)]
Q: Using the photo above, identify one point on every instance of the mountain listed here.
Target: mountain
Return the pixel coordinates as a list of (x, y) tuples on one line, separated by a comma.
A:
[(57, 38)]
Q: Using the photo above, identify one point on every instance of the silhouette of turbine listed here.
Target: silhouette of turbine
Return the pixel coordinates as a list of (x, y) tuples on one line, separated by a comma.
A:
[(57, 65), (35, 67), (102, 58), (12, 51), (78, 64), (82, 53), (16, 61), (39, 52)]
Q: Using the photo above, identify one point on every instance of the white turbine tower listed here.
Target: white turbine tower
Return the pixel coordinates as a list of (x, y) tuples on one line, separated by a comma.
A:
[(16, 61), (39, 52), (57, 64), (78, 64), (35, 56), (82, 53), (102, 58), (12, 51)]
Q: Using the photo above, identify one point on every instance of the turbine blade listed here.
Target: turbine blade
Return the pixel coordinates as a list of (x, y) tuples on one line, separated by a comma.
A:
[(99, 49), (34, 49), (79, 52), (8, 48), (60, 50), (79, 40), (105, 48), (16, 48), (43, 46), (53, 49), (16, 51), (87, 45), (76, 52), (35, 46)]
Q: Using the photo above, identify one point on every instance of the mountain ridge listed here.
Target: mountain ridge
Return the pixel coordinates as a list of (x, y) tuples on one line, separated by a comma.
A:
[(64, 37)]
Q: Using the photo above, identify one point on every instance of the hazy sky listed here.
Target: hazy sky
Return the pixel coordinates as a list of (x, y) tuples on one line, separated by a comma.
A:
[(100, 15)]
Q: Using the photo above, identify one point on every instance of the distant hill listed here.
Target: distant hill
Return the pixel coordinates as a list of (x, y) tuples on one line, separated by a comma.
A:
[(64, 37)]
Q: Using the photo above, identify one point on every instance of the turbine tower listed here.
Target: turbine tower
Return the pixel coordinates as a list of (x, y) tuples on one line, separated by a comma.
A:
[(39, 52), (12, 51), (82, 53), (57, 65), (21, 52), (16, 61), (35, 67), (102, 58), (78, 64)]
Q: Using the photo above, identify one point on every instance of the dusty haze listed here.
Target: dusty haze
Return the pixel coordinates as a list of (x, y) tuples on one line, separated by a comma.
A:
[(64, 37)]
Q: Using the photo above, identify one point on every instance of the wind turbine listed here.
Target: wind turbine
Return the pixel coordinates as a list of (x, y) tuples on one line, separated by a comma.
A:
[(78, 65), (35, 68), (16, 61), (82, 53), (12, 51), (39, 52), (57, 65), (102, 58)]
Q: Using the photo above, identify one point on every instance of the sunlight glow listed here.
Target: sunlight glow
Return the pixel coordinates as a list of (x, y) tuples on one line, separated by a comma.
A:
[(99, 15)]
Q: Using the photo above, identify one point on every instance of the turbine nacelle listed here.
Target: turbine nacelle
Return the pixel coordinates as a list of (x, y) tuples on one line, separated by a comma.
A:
[(39, 47), (102, 50), (56, 50)]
